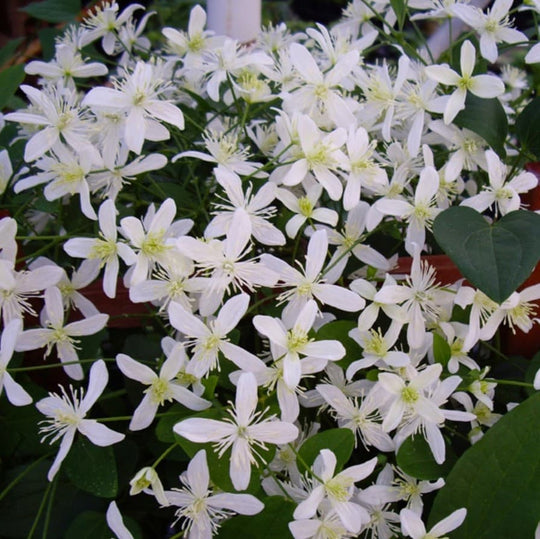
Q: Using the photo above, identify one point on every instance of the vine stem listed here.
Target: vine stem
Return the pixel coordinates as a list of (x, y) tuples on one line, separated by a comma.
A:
[(19, 478)]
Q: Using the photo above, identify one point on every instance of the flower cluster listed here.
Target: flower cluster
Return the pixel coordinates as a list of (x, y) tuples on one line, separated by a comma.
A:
[(253, 200)]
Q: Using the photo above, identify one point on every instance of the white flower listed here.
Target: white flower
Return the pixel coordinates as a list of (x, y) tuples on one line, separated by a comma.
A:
[(412, 525), (337, 490), (419, 213), (318, 93), (57, 109), (139, 96), (60, 335), (15, 393), (242, 430), (116, 523), (420, 297), (161, 388), (410, 398), (493, 26), (201, 509), (207, 340), (291, 343), (17, 287), (106, 249), (257, 206), (147, 480), (66, 416), (66, 65), (320, 154), (309, 283), (363, 420), (6, 170), (504, 194), (105, 23), (222, 261), (153, 238), (305, 209), (485, 86)]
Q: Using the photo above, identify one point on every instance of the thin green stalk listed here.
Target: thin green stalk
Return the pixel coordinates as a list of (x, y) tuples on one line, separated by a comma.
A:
[(19, 478), (164, 454), (40, 510), (305, 465), (49, 510), (510, 383)]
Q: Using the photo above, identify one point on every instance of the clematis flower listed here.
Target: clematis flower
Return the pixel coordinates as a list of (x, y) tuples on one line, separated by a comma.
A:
[(493, 27), (66, 65), (66, 415), (201, 510), (153, 238), (412, 525), (161, 388), (15, 393), (138, 95), (116, 523), (105, 250), (291, 343), (242, 431), (485, 86), (504, 194), (338, 490), (207, 340), (309, 283), (60, 335)]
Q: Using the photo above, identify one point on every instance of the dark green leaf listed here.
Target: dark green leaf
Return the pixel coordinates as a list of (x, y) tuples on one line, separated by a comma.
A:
[(497, 480), (340, 441), (92, 468), (8, 50), (441, 350), (485, 117), (527, 130), (495, 258), (93, 525), (271, 522), (10, 79), (416, 459), (88, 525), (47, 39), (400, 9), (339, 331), (54, 10)]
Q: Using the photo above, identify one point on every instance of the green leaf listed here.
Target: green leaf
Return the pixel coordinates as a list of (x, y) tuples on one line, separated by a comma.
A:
[(485, 117), (527, 131), (164, 427), (88, 525), (497, 480), (54, 10), (340, 441), (10, 79), (8, 50), (92, 468), (416, 459), (271, 522), (47, 39), (339, 331), (400, 9), (495, 258), (93, 525), (441, 350)]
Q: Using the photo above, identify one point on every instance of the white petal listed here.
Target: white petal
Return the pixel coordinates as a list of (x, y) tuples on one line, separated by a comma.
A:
[(99, 434)]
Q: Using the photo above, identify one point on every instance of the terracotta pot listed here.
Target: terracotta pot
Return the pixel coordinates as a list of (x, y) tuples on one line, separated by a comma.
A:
[(123, 312), (518, 343), (445, 270)]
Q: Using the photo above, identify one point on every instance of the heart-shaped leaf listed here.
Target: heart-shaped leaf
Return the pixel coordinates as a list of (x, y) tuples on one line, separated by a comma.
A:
[(497, 479), (495, 258)]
